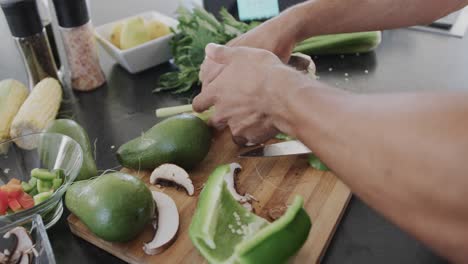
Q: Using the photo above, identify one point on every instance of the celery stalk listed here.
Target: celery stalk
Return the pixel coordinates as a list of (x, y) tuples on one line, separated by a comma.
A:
[(360, 42), (174, 110)]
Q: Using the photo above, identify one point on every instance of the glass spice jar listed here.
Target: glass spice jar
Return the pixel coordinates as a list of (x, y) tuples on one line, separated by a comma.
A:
[(80, 45), (44, 14), (31, 39)]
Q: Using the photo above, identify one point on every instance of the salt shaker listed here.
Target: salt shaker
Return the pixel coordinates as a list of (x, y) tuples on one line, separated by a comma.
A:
[(30, 37), (80, 45)]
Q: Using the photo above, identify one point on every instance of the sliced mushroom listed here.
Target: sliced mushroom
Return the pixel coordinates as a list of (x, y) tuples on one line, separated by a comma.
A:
[(168, 224), (172, 175), (230, 179), (3, 258), (302, 62), (24, 243), (25, 259)]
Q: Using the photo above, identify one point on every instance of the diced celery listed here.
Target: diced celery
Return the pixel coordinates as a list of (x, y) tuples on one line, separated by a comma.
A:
[(44, 186), (43, 174), (26, 187), (56, 183), (42, 197)]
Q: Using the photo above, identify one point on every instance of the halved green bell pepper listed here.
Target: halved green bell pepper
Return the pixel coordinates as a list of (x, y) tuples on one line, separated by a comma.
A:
[(226, 232)]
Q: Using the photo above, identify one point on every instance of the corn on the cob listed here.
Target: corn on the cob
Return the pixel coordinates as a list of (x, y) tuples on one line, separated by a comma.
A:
[(12, 96), (37, 111)]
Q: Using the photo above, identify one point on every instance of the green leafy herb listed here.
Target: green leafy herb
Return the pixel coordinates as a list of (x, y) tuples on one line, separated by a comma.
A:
[(196, 29)]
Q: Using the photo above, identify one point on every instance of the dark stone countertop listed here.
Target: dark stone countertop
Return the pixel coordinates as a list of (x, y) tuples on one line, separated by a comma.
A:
[(406, 61)]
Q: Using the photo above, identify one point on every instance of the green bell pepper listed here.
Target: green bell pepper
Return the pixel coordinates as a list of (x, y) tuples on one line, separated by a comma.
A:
[(226, 232)]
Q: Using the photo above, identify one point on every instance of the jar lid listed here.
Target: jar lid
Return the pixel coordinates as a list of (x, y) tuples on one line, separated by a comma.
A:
[(71, 13), (22, 17)]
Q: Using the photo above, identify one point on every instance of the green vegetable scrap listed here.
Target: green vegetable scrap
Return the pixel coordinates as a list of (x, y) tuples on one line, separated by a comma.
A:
[(195, 30), (282, 136), (313, 160), (315, 163)]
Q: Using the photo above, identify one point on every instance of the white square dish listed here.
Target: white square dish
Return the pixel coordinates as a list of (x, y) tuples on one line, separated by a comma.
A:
[(144, 56)]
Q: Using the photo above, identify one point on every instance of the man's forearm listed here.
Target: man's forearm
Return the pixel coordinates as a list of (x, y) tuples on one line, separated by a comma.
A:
[(403, 154), (321, 17)]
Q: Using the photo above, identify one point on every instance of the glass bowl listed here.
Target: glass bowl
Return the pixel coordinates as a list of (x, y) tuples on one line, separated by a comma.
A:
[(34, 225), (40, 150)]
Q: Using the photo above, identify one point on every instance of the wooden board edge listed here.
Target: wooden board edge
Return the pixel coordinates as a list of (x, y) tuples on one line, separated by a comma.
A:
[(338, 220), (102, 246)]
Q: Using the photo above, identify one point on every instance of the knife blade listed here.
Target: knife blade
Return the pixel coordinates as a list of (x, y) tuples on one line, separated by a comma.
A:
[(293, 147)]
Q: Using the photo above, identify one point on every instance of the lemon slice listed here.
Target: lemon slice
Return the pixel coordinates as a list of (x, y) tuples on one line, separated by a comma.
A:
[(226, 232)]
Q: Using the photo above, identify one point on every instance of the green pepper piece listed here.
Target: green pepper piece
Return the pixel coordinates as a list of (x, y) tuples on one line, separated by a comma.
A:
[(285, 137), (56, 183), (33, 191), (42, 197), (42, 174), (315, 163), (226, 232), (44, 186), (59, 173), (26, 187), (33, 182)]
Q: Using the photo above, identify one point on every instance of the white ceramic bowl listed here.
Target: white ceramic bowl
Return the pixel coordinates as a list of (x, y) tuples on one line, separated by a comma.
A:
[(144, 56)]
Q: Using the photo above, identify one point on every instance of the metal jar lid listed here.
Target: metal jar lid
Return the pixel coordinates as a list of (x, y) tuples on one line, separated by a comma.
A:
[(22, 17), (71, 13)]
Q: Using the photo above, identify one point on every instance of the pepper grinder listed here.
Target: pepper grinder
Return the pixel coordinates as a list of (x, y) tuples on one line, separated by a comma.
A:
[(46, 18), (30, 36), (80, 45)]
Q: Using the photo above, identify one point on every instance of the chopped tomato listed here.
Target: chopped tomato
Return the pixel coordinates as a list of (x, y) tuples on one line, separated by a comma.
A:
[(13, 190), (14, 181), (3, 202), (26, 201), (14, 204)]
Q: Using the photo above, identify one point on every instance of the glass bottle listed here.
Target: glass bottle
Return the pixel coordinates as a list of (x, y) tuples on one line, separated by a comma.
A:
[(44, 13), (31, 39), (80, 45)]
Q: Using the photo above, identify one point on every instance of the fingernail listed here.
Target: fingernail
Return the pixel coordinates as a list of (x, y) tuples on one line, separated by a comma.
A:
[(211, 46), (241, 141)]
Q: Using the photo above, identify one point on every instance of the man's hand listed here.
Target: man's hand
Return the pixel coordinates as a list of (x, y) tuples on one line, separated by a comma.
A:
[(247, 89), (271, 36)]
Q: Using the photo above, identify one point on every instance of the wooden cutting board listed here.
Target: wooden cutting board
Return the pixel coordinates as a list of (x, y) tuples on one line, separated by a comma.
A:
[(272, 181)]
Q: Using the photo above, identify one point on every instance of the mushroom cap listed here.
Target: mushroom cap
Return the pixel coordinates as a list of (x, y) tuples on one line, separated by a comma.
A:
[(173, 174), (23, 242), (168, 224), (302, 62), (25, 259)]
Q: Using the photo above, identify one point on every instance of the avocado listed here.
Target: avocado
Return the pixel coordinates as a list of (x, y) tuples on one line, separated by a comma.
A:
[(115, 207), (183, 140), (72, 129)]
